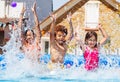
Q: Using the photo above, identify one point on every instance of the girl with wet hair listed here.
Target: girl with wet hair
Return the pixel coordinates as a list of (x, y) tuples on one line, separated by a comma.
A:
[(31, 40), (26, 35), (91, 46)]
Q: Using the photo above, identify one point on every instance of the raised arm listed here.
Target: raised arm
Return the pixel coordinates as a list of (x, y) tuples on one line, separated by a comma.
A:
[(69, 29), (20, 22), (90, 29), (52, 33), (78, 37), (37, 26), (21, 17), (104, 34)]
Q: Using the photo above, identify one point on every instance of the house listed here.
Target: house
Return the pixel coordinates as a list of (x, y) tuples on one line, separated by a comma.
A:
[(90, 13), (10, 14)]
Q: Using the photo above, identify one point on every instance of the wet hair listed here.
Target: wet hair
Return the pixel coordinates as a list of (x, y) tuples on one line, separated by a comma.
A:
[(60, 28), (27, 31), (89, 34)]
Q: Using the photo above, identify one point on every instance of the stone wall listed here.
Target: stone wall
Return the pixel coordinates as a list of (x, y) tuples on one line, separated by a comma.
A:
[(107, 17)]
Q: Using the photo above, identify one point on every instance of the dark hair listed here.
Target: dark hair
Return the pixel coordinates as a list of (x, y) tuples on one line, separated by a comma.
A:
[(27, 31), (60, 28), (89, 34)]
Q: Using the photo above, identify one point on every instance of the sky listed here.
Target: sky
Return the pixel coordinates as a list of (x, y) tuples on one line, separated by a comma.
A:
[(118, 0), (58, 3)]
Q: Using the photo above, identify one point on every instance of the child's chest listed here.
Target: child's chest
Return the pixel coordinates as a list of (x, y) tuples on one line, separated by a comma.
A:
[(91, 52)]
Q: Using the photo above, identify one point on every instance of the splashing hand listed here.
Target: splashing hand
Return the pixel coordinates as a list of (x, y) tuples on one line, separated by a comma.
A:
[(53, 17), (34, 7), (69, 16), (99, 26), (23, 9)]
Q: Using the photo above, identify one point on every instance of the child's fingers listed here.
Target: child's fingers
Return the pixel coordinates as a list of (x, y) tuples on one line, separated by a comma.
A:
[(69, 16), (53, 16), (23, 9), (34, 6), (50, 14)]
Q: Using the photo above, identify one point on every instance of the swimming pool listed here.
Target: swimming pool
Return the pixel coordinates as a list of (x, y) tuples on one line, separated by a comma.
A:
[(109, 70)]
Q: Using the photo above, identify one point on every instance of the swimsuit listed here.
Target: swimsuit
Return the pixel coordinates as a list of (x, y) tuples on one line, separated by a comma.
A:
[(91, 58)]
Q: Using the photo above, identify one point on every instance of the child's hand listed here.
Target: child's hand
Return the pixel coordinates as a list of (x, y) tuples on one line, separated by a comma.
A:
[(34, 7), (77, 37), (99, 26), (69, 16), (53, 17), (23, 9)]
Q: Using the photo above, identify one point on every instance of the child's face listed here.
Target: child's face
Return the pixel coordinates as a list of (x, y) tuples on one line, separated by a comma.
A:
[(91, 42), (60, 37), (29, 36)]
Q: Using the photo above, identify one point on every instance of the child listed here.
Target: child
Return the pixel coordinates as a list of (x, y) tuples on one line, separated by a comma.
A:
[(30, 40), (59, 38), (91, 47)]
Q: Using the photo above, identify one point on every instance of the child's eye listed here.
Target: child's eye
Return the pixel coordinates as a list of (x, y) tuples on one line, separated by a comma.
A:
[(59, 35), (92, 40)]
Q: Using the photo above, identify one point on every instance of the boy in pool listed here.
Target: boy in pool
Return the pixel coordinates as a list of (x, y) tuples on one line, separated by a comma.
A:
[(60, 36), (30, 39), (91, 47)]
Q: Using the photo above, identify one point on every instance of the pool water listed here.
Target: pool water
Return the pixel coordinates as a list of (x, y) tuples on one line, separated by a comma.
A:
[(14, 67), (68, 77), (108, 71)]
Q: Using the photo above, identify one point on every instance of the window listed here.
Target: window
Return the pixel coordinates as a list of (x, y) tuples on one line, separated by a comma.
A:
[(91, 14), (46, 47), (1, 38)]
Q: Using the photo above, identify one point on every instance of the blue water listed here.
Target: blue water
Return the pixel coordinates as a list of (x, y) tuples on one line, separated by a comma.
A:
[(104, 60), (108, 71), (49, 79), (57, 79)]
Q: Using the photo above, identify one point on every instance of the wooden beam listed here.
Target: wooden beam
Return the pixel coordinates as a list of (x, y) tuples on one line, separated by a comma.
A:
[(72, 6), (62, 12), (111, 4)]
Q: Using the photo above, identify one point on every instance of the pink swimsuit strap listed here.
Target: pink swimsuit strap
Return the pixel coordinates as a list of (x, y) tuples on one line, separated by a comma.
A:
[(93, 52)]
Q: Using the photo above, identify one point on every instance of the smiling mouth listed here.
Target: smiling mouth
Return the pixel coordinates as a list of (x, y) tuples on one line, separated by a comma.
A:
[(61, 41)]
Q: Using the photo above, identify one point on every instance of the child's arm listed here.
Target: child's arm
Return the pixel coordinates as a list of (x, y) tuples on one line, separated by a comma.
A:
[(21, 17), (69, 29), (37, 26), (90, 29), (80, 42), (52, 34), (77, 36), (20, 23), (104, 34)]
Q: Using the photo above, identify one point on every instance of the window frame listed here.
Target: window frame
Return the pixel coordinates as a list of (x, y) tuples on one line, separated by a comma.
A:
[(91, 24)]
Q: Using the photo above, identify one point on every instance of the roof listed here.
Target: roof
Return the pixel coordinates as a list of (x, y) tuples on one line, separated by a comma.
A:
[(72, 6)]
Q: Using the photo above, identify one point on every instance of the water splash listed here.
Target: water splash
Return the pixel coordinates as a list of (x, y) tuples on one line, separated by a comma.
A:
[(20, 68), (17, 64)]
